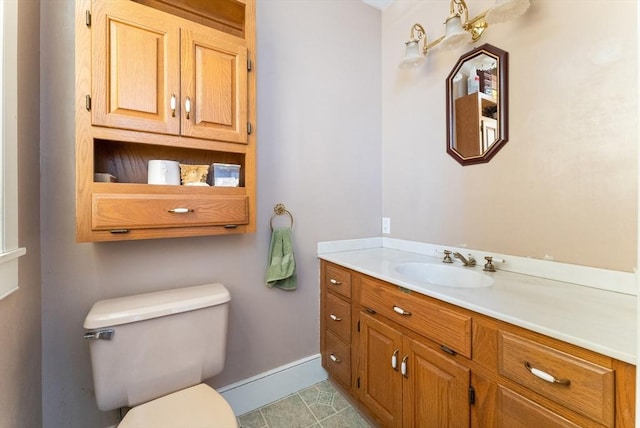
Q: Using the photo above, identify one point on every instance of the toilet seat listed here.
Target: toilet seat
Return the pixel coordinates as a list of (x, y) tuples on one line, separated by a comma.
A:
[(199, 406)]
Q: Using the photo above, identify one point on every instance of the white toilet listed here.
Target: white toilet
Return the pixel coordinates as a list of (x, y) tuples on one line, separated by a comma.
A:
[(152, 351)]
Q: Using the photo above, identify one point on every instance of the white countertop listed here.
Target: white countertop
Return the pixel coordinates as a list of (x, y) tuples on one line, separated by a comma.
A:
[(600, 320)]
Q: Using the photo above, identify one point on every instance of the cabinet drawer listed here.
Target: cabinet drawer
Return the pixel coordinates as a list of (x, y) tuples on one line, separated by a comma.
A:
[(515, 411), (337, 359), (583, 387), (442, 325), (139, 211), (338, 280), (338, 317)]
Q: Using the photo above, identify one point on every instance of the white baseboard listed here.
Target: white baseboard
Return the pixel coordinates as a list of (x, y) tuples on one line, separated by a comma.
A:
[(257, 391)]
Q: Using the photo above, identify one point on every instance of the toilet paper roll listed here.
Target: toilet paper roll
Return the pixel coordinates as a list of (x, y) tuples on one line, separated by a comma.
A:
[(161, 171)]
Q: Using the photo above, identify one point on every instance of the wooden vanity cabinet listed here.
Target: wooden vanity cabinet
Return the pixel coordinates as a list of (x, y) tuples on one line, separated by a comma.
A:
[(462, 368), (156, 85)]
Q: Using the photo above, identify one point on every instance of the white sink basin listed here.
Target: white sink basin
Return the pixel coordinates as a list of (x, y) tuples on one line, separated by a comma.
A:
[(444, 275)]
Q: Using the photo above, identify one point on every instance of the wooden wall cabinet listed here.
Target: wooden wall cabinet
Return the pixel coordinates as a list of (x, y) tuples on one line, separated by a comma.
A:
[(420, 362), (157, 85), (475, 132)]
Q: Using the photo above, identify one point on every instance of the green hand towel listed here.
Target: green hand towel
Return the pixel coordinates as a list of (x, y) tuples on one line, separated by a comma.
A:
[(281, 272)]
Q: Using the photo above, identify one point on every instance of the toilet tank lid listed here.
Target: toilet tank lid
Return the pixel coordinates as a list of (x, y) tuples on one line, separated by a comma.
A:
[(123, 310)]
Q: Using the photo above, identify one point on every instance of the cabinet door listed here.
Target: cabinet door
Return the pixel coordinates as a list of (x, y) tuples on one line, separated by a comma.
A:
[(214, 86), (436, 389), (136, 68), (380, 382)]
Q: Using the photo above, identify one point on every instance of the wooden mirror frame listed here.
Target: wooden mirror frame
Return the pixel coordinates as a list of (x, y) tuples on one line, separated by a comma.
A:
[(502, 103)]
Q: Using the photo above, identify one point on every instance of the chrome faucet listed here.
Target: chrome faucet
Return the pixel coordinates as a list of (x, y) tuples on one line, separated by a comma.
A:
[(465, 261)]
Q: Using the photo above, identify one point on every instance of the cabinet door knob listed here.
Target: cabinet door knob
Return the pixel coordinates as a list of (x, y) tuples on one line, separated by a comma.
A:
[(335, 281), (545, 376), (335, 317), (187, 106), (334, 358), (403, 366), (394, 360), (172, 103)]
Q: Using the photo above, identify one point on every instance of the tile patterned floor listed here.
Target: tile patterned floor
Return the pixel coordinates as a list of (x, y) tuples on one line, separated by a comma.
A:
[(319, 406)]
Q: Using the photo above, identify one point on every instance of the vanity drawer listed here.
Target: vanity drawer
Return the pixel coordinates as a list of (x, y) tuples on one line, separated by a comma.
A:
[(337, 359), (435, 321), (338, 317), (581, 386), (122, 211), (515, 411), (338, 280)]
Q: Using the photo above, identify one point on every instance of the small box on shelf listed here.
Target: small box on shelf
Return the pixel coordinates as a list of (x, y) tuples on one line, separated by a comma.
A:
[(224, 175)]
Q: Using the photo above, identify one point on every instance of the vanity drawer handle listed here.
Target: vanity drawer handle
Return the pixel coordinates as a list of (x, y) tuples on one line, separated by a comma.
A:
[(335, 318), (335, 359), (401, 311), (545, 376), (180, 210), (335, 281)]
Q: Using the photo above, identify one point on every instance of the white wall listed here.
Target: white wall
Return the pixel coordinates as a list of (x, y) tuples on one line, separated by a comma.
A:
[(565, 184), (318, 152)]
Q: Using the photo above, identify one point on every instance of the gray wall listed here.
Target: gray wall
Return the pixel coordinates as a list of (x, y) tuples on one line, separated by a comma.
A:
[(318, 152), (20, 344)]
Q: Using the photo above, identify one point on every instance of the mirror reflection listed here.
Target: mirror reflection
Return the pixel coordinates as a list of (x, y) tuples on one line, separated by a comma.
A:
[(477, 105)]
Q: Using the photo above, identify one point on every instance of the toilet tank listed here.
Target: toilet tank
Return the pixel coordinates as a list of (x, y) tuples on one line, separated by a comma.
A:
[(149, 345)]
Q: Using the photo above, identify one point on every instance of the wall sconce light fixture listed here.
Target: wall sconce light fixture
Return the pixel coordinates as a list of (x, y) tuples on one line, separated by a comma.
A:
[(459, 29)]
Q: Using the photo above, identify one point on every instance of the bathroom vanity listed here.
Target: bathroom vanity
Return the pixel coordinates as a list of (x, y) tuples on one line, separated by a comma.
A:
[(497, 356)]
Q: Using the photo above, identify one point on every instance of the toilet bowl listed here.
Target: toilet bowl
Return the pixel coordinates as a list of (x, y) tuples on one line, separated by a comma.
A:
[(152, 351)]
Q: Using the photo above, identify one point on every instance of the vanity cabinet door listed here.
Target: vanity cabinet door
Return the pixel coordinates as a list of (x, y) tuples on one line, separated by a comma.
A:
[(435, 390), (136, 68), (380, 381)]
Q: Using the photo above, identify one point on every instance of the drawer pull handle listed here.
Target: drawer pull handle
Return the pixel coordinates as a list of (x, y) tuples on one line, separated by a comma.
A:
[(401, 311), (181, 211), (394, 360), (335, 359), (335, 318), (335, 281), (403, 367), (545, 376)]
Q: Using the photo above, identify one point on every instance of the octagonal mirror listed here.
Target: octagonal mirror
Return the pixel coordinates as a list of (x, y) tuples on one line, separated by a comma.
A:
[(477, 107)]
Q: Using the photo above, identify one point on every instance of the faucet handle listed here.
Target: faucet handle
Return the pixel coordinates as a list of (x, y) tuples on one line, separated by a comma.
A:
[(447, 257), (489, 267)]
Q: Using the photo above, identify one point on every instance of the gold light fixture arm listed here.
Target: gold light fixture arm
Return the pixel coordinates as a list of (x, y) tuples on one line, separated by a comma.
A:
[(459, 7), (475, 26)]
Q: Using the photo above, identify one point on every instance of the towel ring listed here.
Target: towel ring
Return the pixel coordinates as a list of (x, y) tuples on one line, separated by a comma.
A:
[(279, 209)]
